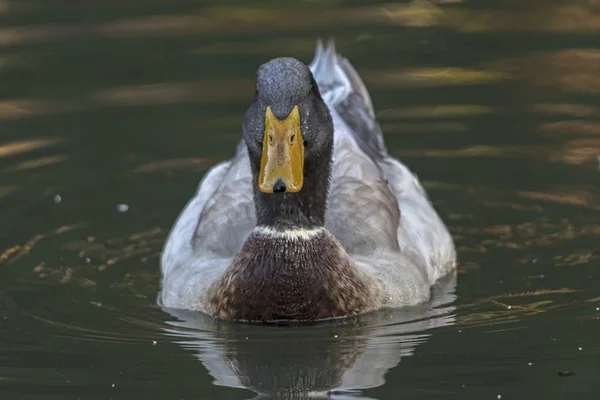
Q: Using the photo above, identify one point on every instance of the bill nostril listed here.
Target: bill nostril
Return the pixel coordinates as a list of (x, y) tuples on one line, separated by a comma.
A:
[(279, 186)]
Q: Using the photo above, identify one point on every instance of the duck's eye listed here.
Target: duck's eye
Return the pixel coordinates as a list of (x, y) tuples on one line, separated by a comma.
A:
[(292, 138), (271, 138)]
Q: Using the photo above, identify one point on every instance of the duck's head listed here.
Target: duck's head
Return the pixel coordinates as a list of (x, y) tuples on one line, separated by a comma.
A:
[(288, 129)]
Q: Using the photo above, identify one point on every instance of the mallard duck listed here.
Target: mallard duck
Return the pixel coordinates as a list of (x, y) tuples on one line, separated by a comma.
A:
[(311, 219)]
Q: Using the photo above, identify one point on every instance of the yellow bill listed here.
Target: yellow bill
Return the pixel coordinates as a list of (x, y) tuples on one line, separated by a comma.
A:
[(282, 162)]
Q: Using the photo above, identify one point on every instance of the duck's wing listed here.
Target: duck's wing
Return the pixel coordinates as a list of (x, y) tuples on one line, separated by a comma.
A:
[(217, 220), (208, 233), (382, 197), (362, 211)]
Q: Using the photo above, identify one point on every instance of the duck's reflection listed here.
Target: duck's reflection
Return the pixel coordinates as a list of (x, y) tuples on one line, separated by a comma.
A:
[(328, 360)]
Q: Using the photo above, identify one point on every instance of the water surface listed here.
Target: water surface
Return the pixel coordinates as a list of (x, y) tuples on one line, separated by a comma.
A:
[(110, 113)]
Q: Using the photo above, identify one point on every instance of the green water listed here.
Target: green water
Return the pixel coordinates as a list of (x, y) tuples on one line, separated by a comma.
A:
[(495, 105)]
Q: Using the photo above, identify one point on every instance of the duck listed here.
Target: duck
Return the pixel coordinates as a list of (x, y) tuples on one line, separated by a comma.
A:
[(311, 219)]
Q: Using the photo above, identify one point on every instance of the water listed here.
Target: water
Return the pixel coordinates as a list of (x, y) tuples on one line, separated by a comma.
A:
[(110, 112)]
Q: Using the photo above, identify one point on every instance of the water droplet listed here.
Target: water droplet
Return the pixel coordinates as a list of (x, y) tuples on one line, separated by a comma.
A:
[(87, 260), (581, 348), (57, 199), (113, 385), (154, 343), (335, 336), (509, 307), (530, 364), (499, 396), (122, 208)]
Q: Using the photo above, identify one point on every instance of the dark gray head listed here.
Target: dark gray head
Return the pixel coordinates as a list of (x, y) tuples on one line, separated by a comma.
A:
[(282, 83), (289, 134)]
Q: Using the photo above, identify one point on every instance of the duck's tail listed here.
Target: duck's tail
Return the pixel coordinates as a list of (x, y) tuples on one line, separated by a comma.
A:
[(342, 89), (336, 76)]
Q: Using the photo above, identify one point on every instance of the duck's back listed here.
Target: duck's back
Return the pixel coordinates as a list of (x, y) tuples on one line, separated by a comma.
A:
[(377, 206)]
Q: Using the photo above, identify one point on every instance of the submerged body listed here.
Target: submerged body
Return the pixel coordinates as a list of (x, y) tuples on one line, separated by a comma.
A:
[(356, 232)]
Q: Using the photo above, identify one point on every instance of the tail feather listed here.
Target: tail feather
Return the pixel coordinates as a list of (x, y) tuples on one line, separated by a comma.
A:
[(336, 76), (342, 88), (357, 84)]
